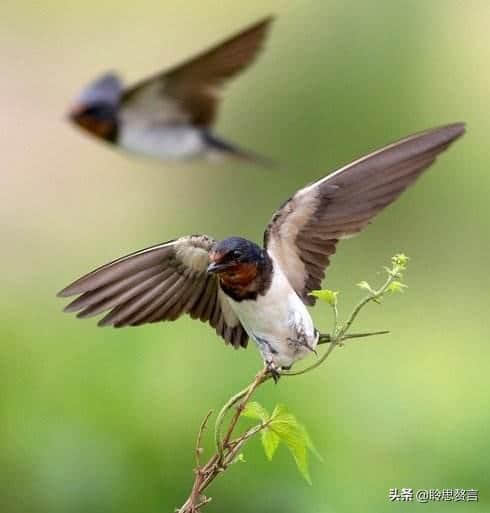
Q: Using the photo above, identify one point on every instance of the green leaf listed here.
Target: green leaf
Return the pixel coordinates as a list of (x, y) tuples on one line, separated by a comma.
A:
[(310, 445), (401, 260), (329, 296), (294, 435), (254, 410), (270, 442), (279, 410), (283, 426), (365, 286), (396, 286)]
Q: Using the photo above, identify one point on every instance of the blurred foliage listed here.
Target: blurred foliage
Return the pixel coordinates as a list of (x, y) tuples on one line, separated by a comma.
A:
[(104, 420)]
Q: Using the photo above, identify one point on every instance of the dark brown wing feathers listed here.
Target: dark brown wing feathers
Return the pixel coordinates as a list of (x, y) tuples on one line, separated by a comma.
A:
[(196, 84), (303, 234), (160, 283)]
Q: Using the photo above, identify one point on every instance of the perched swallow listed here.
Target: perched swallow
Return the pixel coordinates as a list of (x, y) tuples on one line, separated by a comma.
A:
[(247, 291), (170, 115)]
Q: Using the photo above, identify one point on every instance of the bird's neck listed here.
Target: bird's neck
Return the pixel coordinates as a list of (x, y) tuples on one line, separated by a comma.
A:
[(249, 280)]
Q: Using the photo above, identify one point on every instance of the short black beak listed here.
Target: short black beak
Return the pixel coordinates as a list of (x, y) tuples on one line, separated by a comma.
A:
[(213, 267)]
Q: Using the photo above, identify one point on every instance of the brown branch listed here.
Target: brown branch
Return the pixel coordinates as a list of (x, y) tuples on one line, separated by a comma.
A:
[(262, 376), (225, 456), (199, 438)]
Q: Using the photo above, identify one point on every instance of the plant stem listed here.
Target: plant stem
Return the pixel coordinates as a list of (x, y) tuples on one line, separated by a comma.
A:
[(326, 338), (243, 396), (199, 438), (227, 448), (371, 297)]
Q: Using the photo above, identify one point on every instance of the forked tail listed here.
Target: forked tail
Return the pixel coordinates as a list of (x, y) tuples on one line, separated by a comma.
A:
[(230, 148)]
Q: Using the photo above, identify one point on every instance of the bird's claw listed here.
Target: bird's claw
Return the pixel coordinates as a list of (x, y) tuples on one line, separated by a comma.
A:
[(274, 371)]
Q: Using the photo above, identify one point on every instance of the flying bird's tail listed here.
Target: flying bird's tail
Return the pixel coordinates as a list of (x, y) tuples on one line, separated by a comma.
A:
[(226, 148)]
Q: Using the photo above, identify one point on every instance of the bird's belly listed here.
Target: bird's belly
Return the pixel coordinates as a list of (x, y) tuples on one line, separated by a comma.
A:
[(164, 142), (280, 326)]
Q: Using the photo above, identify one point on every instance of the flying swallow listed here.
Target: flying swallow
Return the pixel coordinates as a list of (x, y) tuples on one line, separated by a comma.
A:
[(170, 115), (247, 291)]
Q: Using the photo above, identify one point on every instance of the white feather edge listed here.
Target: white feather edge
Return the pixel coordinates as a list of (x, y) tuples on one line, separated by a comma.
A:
[(193, 253), (283, 246)]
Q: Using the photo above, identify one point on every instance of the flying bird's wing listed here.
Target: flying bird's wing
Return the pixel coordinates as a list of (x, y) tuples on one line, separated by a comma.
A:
[(159, 283), (303, 233), (191, 92)]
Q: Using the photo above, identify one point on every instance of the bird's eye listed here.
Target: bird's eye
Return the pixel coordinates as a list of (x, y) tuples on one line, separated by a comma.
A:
[(98, 111), (93, 111), (236, 254)]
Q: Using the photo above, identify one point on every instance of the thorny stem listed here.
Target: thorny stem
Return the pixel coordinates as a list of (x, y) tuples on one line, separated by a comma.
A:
[(245, 394), (218, 463), (221, 417), (199, 438), (228, 449), (237, 444)]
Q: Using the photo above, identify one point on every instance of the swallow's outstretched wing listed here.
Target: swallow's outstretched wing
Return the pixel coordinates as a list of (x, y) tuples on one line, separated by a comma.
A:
[(303, 233), (190, 93), (159, 283)]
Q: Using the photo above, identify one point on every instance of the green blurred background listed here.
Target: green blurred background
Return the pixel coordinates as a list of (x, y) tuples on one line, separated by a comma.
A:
[(96, 420)]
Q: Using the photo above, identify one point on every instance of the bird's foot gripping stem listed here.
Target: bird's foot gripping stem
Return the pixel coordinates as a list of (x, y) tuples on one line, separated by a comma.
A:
[(273, 370)]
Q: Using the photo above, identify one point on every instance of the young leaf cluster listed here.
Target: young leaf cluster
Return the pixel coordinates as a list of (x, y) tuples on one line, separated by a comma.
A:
[(282, 427)]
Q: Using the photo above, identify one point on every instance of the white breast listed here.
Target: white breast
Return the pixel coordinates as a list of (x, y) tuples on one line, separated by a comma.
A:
[(278, 322), (161, 141)]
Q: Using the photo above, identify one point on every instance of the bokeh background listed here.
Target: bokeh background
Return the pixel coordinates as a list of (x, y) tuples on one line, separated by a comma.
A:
[(96, 420)]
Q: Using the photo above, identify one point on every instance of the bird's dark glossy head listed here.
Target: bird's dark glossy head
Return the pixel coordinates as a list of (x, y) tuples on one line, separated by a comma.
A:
[(244, 269), (96, 108), (233, 252)]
